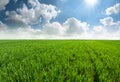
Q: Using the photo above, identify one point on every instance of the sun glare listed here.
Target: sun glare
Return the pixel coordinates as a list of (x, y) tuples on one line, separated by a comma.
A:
[(91, 3)]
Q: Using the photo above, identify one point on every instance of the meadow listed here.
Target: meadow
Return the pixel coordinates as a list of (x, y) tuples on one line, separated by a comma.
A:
[(59, 60)]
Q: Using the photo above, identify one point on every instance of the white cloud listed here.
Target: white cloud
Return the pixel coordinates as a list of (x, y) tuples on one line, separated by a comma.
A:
[(99, 30), (54, 28), (33, 3), (15, 19), (70, 29), (3, 3), (113, 10), (3, 30), (74, 26), (32, 15), (2, 27), (109, 22), (21, 33), (48, 12)]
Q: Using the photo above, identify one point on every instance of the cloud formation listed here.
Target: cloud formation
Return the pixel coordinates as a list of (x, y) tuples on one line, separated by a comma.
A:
[(109, 22), (74, 26), (29, 16), (23, 19), (70, 29), (53, 29), (3, 3), (113, 10), (2, 26)]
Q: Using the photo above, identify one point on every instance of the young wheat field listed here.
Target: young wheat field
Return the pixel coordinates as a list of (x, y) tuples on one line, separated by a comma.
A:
[(59, 61)]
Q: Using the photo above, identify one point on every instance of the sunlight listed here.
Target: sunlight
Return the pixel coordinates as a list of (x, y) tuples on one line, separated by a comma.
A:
[(91, 3)]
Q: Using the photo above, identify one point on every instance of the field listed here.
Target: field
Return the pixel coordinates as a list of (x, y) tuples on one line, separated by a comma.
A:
[(59, 61)]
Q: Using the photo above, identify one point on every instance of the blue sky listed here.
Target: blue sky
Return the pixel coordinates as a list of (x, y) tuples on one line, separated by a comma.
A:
[(60, 19), (79, 10)]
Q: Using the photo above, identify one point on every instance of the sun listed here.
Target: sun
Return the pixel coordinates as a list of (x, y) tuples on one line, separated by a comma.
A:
[(91, 3)]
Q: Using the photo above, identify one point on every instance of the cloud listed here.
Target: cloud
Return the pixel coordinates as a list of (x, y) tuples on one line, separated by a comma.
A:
[(54, 28), (2, 27), (48, 12), (33, 3), (71, 28), (31, 16), (23, 19), (3, 30), (109, 22), (74, 26), (15, 19), (113, 10), (21, 33), (99, 30), (3, 3)]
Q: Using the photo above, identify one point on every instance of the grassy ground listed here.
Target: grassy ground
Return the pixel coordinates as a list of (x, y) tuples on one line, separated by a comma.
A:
[(59, 61)]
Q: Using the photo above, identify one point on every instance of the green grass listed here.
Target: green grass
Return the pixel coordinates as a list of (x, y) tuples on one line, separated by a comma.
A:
[(59, 61)]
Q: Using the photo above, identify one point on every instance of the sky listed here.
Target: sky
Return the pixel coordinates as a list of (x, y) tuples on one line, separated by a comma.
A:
[(60, 19)]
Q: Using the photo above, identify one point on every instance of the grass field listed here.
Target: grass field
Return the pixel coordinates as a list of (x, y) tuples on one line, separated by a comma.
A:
[(59, 61)]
